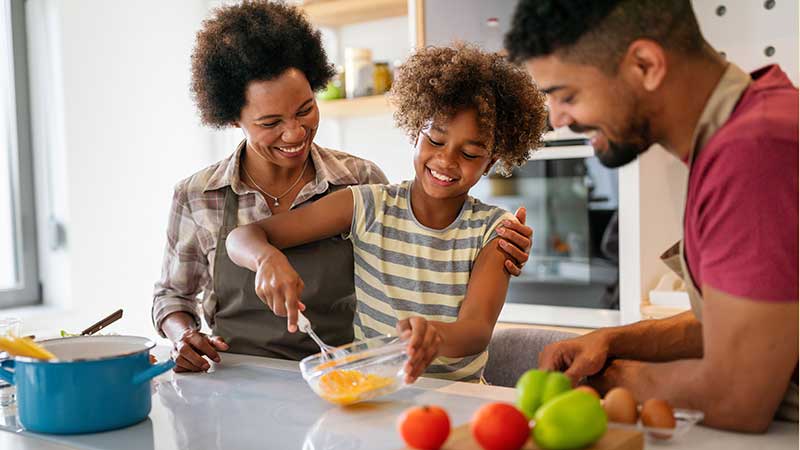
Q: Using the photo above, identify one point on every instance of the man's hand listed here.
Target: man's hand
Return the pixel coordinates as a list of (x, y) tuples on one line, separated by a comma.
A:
[(578, 357), (618, 372), (515, 242)]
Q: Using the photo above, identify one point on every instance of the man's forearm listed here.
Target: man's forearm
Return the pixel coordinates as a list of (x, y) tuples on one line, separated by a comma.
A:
[(677, 337), (674, 381), (692, 384), (749, 353)]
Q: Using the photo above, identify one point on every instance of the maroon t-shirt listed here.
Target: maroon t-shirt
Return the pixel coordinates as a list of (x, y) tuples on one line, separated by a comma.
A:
[(741, 219)]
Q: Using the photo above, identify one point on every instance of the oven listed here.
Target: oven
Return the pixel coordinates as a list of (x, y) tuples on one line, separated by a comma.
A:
[(572, 276)]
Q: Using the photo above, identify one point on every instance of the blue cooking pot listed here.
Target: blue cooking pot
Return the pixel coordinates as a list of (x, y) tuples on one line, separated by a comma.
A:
[(97, 383)]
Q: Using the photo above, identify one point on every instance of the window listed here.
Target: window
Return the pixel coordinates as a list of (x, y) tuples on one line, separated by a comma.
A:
[(19, 277)]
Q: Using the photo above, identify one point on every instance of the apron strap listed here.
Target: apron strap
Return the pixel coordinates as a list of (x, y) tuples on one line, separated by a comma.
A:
[(230, 219)]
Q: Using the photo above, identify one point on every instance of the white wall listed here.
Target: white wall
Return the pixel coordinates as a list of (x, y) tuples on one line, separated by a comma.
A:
[(124, 132), (747, 28), (662, 193)]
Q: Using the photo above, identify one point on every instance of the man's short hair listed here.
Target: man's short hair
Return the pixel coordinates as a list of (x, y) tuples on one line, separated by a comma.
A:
[(598, 32)]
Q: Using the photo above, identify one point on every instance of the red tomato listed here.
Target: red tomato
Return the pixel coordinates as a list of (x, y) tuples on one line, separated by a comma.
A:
[(424, 427), (500, 426)]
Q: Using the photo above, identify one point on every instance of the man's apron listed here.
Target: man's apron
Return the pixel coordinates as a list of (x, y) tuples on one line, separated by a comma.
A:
[(723, 101)]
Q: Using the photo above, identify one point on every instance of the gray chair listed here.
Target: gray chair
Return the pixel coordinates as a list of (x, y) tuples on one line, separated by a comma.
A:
[(512, 351)]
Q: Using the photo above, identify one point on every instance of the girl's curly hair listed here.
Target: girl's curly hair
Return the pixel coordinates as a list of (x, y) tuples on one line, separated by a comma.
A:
[(437, 82), (252, 41)]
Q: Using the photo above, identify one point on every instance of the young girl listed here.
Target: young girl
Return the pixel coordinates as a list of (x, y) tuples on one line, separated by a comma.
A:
[(426, 259)]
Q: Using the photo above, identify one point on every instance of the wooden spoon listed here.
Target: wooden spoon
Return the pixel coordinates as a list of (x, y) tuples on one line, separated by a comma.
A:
[(106, 321)]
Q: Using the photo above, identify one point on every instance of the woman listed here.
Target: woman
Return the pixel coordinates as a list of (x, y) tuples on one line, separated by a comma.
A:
[(256, 66)]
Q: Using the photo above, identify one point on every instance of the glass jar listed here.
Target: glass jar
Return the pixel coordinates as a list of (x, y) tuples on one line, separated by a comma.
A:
[(335, 87), (9, 326), (358, 72), (382, 78)]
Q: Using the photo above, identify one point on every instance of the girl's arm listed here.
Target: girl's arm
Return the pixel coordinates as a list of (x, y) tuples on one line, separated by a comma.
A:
[(324, 218), (471, 332), (486, 294), (256, 247)]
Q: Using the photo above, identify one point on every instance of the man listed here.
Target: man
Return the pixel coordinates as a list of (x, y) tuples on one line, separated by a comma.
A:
[(632, 73)]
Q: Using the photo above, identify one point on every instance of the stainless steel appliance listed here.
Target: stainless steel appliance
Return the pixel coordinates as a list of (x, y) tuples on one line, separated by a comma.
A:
[(572, 277)]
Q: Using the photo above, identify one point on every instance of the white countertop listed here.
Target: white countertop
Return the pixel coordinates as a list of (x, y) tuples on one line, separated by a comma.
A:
[(258, 403)]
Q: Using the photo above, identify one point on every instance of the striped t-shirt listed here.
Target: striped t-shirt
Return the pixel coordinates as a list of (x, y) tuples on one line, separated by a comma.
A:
[(404, 269)]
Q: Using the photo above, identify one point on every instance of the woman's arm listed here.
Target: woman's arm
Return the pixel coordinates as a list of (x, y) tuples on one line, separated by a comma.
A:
[(184, 272), (256, 247), (190, 345)]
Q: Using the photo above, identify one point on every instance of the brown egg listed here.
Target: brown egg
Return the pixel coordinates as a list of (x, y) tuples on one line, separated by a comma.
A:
[(589, 390), (658, 414), (620, 406)]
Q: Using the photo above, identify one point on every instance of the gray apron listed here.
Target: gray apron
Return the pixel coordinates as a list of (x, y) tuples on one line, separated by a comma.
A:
[(250, 327), (723, 101)]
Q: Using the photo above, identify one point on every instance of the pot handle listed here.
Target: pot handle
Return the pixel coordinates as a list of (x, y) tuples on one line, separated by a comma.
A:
[(153, 371), (5, 374)]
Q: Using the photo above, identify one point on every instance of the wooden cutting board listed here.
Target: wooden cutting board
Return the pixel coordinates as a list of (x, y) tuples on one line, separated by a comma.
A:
[(614, 439)]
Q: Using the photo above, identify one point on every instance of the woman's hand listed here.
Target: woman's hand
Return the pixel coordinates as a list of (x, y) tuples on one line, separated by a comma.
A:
[(424, 341), (191, 346), (516, 239), (279, 286)]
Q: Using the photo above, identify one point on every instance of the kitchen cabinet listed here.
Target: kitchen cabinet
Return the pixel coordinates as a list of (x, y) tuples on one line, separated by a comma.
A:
[(332, 16), (363, 126), (336, 13), (359, 106)]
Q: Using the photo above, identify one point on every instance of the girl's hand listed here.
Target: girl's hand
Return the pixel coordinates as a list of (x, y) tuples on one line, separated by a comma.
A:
[(516, 239), (424, 341), (279, 286)]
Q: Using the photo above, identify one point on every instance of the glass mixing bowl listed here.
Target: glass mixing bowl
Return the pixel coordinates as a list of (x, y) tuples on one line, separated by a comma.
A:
[(361, 371)]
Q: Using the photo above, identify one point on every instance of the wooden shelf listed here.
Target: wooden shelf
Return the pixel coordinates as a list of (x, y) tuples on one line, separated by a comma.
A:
[(360, 106), (335, 13)]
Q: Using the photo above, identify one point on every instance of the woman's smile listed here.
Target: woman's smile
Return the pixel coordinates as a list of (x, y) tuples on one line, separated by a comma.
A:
[(292, 151)]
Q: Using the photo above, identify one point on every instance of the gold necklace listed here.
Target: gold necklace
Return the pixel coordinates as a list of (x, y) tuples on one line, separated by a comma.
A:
[(273, 197)]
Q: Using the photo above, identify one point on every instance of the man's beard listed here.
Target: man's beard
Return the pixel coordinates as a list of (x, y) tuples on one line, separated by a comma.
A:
[(637, 140), (620, 154)]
